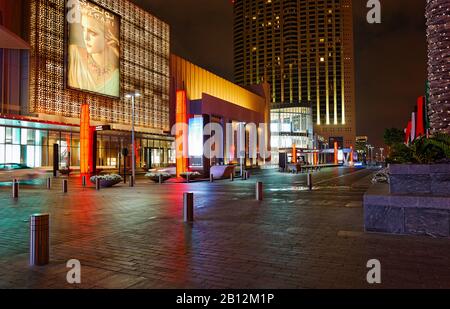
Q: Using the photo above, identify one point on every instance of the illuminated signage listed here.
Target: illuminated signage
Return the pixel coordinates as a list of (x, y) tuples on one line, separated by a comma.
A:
[(93, 51), (103, 128), (195, 145)]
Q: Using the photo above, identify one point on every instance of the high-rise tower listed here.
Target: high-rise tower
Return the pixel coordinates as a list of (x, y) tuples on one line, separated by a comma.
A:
[(438, 34), (304, 50)]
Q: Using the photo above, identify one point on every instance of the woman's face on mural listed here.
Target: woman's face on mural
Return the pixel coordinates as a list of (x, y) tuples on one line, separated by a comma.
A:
[(94, 37)]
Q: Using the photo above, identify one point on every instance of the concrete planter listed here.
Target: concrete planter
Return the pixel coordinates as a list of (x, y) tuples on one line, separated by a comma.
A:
[(428, 179), (406, 214)]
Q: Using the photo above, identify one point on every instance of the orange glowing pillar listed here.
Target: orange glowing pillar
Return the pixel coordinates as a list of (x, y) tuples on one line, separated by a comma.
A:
[(351, 155), (336, 153), (294, 154), (85, 139), (181, 136), (316, 156)]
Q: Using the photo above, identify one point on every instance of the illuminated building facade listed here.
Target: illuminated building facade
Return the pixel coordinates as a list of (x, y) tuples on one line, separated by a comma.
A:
[(201, 97), (49, 72), (438, 37), (304, 50)]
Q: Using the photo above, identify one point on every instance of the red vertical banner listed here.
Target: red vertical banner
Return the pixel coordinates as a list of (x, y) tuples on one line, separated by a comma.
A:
[(336, 153), (85, 139), (181, 136), (420, 121), (408, 133)]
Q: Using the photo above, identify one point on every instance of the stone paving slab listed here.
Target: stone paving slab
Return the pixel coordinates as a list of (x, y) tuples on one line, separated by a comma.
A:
[(135, 238)]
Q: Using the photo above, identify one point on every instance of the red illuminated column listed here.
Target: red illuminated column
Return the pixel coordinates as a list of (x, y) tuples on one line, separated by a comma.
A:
[(351, 155), (336, 153), (294, 154), (85, 140), (316, 154), (181, 132)]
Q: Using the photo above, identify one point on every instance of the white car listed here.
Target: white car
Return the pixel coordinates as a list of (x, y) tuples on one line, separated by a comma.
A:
[(11, 171)]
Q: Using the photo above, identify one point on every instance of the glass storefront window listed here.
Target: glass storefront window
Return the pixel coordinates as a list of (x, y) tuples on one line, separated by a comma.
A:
[(2, 136), (30, 137), (8, 136), (53, 138), (2, 153), (24, 135), (35, 148), (30, 156), (12, 154), (16, 137), (41, 137)]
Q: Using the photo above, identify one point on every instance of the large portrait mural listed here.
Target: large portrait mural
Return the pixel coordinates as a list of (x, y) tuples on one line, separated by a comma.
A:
[(93, 62)]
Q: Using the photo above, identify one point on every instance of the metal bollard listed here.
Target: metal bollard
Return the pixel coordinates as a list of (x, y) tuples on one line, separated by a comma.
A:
[(211, 178), (187, 177), (39, 239), (232, 177), (49, 183), (259, 191), (83, 181), (65, 187), (160, 179), (131, 182), (247, 176), (97, 184), (188, 207), (15, 189), (244, 175), (309, 181)]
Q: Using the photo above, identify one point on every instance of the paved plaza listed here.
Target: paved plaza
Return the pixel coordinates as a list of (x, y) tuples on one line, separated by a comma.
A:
[(135, 237)]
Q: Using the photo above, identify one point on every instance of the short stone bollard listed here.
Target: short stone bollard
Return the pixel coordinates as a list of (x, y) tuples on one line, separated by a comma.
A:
[(83, 181), (309, 181), (232, 177), (247, 176), (97, 184), (15, 189), (39, 239), (49, 183), (211, 178), (160, 179), (131, 181), (259, 191), (65, 186), (188, 207), (187, 177)]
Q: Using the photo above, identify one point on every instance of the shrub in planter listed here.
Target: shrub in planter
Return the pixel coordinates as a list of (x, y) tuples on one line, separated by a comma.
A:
[(107, 180), (421, 168), (423, 150), (192, 175), (155, 176)]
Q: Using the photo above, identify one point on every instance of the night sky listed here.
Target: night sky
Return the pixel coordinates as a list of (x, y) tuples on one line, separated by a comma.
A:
[(390, 58)]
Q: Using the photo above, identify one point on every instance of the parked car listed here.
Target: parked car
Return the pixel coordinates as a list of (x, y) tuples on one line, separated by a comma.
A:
[(10, 171)]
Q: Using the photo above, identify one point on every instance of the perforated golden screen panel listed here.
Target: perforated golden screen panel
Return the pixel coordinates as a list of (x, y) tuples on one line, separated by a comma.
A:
[(144, 65)]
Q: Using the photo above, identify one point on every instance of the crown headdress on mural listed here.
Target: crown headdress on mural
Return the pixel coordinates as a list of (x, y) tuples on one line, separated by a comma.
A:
[(94, 11)]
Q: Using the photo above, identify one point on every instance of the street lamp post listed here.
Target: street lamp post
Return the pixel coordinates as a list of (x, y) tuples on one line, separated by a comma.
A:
[(134, 95)]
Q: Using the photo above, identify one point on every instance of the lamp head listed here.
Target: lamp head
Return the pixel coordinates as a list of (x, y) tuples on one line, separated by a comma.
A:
[(135, 94)]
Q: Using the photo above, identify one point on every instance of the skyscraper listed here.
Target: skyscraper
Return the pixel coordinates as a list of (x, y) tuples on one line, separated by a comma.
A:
[(438, 34), (304, 50)]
